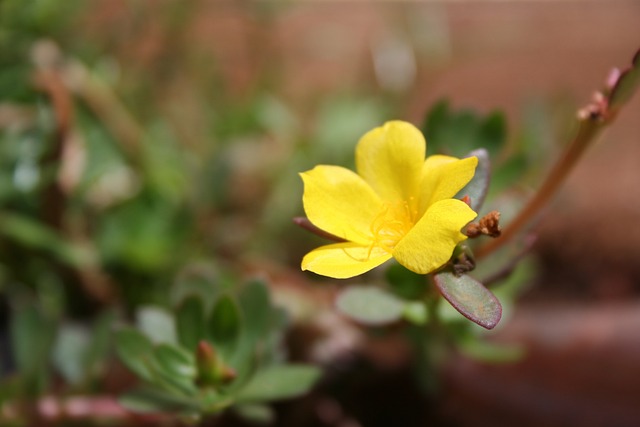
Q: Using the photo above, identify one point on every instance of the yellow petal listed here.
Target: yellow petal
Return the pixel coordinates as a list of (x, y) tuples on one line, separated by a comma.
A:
[(340, 202), (443, 177), (430, 243), (343, 260), (390, 159)]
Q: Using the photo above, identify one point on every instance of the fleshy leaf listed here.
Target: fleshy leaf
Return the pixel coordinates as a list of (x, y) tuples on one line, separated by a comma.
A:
[(470, 298), (404, 282), (175, 360), (369, 305), (225, 324), (626, 85), (135, 351), (256, 413), (70, 350), (255, 303), (478, 187), (279, 382), (153, 400), (190, 322), (456, 132), (32, 336), (157, 324)]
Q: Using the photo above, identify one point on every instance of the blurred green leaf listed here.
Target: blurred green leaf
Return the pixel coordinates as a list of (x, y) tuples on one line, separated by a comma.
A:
[(32, 337), (255, 304), (34, 235), (255, 413), (340, 123), (190, 322), (459, 132), (404, 282), (70, 350), (470, 298), (157, 324), (509, 173), (150, 400), (98, 348), (144, 234), (492, 133), (224, 325), (369, 305), (279, 382), (200, 279), (174, 369), (135, 351), (416, 312), (175, 360)]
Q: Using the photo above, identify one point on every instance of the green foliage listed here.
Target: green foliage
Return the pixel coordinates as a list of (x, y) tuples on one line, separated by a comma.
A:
[(218, 361), (370, 305), (457, 133), (32, 336)]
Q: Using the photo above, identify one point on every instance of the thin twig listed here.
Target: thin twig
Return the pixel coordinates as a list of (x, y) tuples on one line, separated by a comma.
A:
[(587, 132)]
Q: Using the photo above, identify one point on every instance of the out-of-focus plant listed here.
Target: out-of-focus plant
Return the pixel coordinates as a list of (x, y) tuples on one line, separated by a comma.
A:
[(219, 350), (101, 207)]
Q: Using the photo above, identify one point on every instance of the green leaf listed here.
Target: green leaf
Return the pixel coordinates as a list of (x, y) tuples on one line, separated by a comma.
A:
[(190, 322), (369, 305), (98, 350), (470, 298), (175, 361), (174, 369), (258, 319), (157, 324), (492, 133), (147, 400), (404, 282), (256, 306), (478, 187), (458, 132), (416, 312), (135, 350), (626, 85), (34, 235), (32, 336), (256, 413), (279, 382), (70, 350), (224, 325)]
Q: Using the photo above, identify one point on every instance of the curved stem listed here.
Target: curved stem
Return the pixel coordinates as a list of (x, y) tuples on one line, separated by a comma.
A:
[(589, 129)]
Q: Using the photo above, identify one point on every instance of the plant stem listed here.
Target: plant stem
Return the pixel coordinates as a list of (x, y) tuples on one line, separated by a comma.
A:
[(587, 132)]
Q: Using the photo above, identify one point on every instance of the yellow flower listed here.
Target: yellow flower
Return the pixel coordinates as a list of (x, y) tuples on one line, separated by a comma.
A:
[(398, 205)]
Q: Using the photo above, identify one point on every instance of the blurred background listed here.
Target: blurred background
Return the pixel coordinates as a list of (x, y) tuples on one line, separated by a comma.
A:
[(143, 140)]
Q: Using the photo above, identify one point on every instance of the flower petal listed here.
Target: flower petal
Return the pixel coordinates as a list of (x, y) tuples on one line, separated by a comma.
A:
[(340, 202), (430, 243), (344, 260), (390, 159), (443, 177)]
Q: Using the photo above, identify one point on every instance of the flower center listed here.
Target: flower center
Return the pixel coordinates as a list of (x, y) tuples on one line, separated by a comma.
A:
[(392, 223)]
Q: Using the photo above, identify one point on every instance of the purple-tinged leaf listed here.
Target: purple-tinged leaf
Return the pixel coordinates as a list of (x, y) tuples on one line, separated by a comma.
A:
[(478, 187), (626, 85), (470, 298)]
